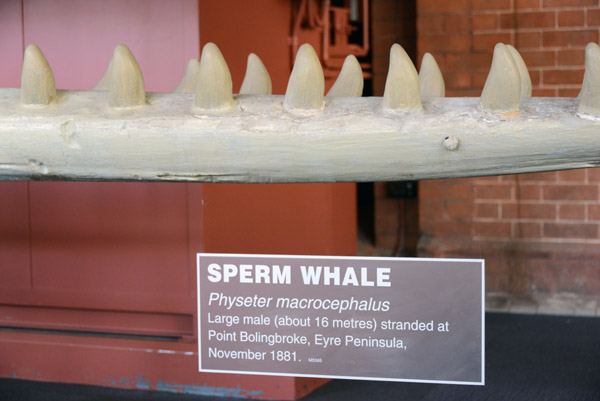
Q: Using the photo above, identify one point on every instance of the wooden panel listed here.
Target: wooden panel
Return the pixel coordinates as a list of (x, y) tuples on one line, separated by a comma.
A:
[(14, 236), (289, 218), (110, 237)]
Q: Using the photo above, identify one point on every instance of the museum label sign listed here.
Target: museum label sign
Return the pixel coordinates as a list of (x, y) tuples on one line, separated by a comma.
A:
[(393, 319)]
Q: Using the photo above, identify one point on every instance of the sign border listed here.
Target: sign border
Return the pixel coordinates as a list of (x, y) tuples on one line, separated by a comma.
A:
[(387, 379)]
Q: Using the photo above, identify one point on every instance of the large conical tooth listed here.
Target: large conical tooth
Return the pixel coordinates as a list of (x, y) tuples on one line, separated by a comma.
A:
[(502, 90), (214, 88), (350, 82), (190, 79), (126, 83), (103, 84), (37, 81), (257, 80), (431, 80), (402, 89), (589, 97), (306, 86), (526, 87)]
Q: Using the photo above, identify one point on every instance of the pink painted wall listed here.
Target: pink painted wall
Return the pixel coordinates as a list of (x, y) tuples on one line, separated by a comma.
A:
[(78, 38)]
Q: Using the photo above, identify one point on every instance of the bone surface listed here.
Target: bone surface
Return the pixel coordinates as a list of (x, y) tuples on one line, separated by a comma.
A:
[(589, 97), (351, 139), (190, 79), (350, 82), (257, 80), (431, 80), (306, 87), (402, 89), (502, 90), (126, 85), (37, 81), (526, 87), (214, 88)]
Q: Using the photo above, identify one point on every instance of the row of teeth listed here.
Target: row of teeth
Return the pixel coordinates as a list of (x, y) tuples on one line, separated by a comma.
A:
[(210, 79)]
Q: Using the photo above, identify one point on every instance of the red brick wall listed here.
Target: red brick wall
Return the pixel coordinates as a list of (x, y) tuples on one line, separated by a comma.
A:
[(537, 232)]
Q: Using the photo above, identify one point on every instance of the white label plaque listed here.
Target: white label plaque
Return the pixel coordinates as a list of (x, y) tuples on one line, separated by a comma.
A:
[(394, 319)]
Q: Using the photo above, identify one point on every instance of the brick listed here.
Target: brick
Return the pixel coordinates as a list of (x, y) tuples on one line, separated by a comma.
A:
[(487, 41), (444, 43), (445, 189), (571, 18), (549, 176), (527, 4), (457, 23), (459, 209), (528, 191), (527, 229), (457, 79), (488, 5), (534, 19), (469, 61), (563, 77), (571, 212), (593, 212), (593, 17), (570, 230), (446, 228), (493, 191), (537, 92), (535, 76), (593, 174), (568, 92), (569, 3), (494, 229), (576, 38), (528, 40), (535, 58), (572, 175), (570, 192), (443, 7), (429, 24), (528, 211), (479, 79), (488, 210), (484, 22), (571, 57)]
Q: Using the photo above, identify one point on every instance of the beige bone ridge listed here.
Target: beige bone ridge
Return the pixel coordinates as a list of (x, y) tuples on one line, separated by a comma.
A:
[(300, 137), (37, 80)]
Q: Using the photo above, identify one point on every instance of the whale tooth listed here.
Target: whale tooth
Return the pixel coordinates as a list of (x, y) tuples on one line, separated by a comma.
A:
[(257, 80), (306, 86), (526, 87), (103, 84), (214, 87), (126, 83), (402, 89), (431, 80), (502, 90), (589, 97), (38, 87), (350, 82), (190, 79)]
